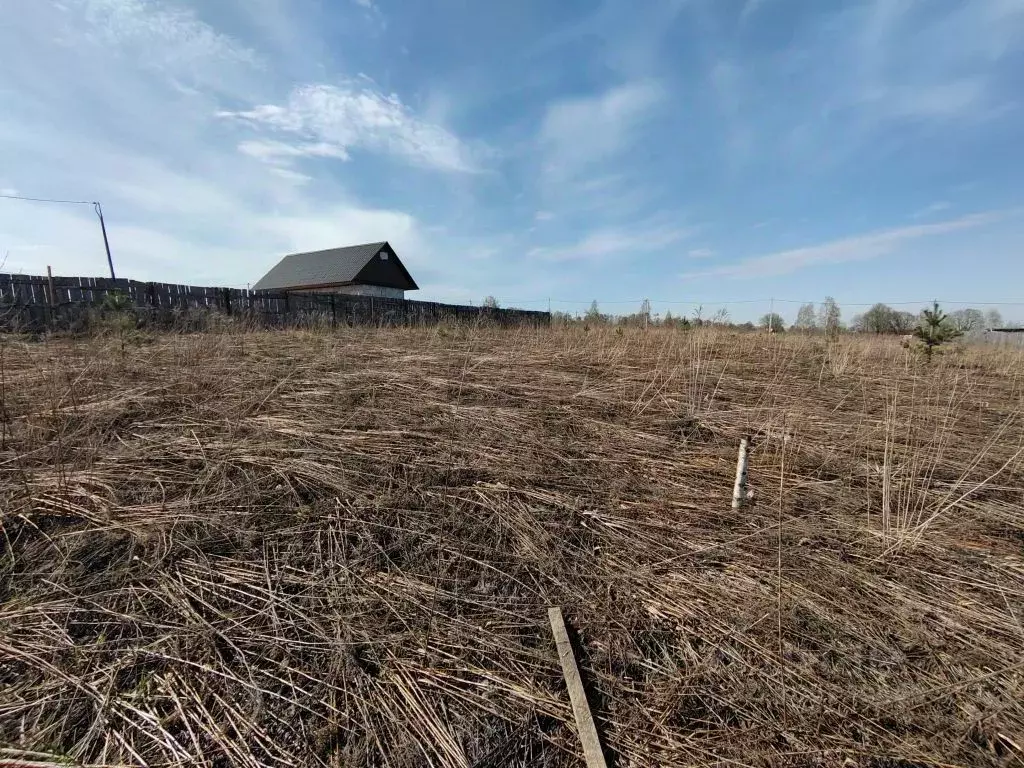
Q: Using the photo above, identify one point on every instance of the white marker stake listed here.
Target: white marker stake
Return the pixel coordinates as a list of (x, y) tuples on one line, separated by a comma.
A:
[(739, 490)]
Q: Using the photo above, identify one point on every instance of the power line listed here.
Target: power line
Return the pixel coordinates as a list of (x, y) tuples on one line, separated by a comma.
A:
[(766, 300), (635, 301), (97, 208), (49, 200)]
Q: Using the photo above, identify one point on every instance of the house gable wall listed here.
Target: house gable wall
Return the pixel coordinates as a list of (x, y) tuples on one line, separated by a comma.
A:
[(388, 272)]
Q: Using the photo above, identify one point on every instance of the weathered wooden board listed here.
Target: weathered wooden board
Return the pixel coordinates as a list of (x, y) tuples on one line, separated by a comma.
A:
[(585, 725)]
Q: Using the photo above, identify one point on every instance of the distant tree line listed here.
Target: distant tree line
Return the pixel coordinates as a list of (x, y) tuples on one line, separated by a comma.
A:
[(825, 318), (882, 319)]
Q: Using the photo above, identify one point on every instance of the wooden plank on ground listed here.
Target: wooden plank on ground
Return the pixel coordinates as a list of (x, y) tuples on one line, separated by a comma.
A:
[(577, 695)]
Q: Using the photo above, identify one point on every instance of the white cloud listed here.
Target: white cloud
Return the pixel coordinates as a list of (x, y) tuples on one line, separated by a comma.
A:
[(355, 115), (282, 152), (543, 216), (858, 248), (701, 253), (347, 224), (603, 243), (928, 210), (578, 132), (913, 62), (872, 75), (174, 33), (292, 177), (158, 36), (956, 98)]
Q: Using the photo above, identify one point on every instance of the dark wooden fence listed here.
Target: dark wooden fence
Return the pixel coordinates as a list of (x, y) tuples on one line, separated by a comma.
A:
[(35, 303)]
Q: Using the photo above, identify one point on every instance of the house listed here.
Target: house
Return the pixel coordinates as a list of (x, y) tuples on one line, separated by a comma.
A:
[(1006, 336), (371, 269)]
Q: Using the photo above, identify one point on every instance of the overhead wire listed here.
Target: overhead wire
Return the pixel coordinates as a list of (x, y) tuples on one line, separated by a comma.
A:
[(48, 200)]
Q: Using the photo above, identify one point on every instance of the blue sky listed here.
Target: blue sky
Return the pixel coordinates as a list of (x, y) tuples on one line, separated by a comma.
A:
[(690, 151)]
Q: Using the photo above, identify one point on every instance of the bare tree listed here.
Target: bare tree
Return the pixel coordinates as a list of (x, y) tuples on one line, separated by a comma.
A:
[(773, 322), (904, 322), (882, 318), (967, 320), (830, 319), (878, 319), (806, 318), (645, 313), (993, 319)]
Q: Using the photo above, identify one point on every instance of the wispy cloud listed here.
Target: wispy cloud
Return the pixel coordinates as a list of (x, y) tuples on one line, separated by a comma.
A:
[(963, 97), (858, 248), (701, 253), (156, 36), (338, 119), (937, 207), (292, 177), (750, 8), (915, 63), (576, 133), (280, 151), (608, 242), (879, 69)]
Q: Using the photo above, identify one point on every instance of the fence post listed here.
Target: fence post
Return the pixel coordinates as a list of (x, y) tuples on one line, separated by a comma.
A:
[(51, 297), (334, 313)]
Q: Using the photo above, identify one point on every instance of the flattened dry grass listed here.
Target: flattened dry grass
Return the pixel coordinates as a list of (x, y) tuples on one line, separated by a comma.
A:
[(299, 548)]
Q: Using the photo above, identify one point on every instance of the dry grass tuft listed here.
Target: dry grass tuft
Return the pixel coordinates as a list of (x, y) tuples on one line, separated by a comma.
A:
[(337, 549)]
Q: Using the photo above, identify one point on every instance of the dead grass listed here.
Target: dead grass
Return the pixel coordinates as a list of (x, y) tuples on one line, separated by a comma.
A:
[(337, 549)]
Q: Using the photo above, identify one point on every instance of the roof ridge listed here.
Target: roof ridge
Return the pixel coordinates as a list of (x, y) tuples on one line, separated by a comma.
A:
[(337, 248), (333, 266)]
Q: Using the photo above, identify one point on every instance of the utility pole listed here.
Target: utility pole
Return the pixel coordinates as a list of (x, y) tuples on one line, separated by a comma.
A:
[(106, 243), (95, 206)]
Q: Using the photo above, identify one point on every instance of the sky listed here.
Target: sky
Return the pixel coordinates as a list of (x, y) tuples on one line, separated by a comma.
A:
[(739, 153)]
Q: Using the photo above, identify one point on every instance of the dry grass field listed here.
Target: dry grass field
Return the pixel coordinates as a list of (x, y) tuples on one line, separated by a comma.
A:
[(300, 548)]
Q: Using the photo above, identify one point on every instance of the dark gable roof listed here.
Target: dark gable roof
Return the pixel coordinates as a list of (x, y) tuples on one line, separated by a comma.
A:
[(328, 267)]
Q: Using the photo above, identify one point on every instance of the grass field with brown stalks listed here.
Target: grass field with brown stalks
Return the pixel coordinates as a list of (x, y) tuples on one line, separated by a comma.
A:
[(298, 548)]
